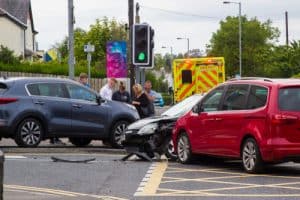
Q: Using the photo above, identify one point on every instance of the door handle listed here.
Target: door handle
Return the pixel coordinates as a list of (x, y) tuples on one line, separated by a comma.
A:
[(77, 106), (210, 119), (39, 102)]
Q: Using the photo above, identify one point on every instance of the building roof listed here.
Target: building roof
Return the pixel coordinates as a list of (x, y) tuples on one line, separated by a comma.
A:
[(18, 11)]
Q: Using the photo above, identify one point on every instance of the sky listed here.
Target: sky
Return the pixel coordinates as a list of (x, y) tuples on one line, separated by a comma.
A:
[(193, 19)]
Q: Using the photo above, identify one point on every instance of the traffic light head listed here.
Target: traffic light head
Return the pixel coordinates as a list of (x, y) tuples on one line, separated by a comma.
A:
[(141, 44)]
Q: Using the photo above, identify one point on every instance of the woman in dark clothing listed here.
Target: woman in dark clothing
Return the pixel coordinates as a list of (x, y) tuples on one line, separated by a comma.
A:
[(141, 101), (121, 95)]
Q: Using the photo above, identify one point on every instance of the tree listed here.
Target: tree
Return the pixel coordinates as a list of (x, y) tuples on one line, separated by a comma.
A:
[(257, 40), (7, 56), (99, 34)]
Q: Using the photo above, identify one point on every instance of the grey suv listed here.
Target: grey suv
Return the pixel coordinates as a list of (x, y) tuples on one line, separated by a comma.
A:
[(34, 109)]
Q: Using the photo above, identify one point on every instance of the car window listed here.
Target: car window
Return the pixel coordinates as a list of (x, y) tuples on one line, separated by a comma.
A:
[(47, 89), (257, 97), (212, 100), (3, 88), (81, 93), (289, 99), (235, 97)]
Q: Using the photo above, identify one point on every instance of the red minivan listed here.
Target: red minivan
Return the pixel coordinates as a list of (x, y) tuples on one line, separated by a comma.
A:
[(253, 119)]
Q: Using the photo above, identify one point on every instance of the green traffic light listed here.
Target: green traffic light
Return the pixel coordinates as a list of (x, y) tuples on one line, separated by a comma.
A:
[(141, 56)]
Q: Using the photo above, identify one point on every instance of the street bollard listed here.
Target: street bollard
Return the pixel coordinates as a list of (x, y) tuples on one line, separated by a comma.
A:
[(1, 174)]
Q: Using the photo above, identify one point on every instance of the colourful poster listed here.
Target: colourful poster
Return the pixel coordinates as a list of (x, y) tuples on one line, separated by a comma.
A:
[(116, 62)]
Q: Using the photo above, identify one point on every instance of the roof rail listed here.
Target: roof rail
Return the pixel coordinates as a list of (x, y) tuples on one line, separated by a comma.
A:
[(252, 78)]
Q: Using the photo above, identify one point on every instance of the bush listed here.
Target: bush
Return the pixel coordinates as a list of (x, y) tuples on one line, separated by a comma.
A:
[(167, 98), (54, 68), (7, 56)]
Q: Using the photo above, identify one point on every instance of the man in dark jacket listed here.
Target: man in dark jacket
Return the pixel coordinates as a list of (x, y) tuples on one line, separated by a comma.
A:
[(121, 95)]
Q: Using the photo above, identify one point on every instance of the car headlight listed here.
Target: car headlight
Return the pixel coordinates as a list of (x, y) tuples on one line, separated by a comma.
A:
[(130, 106), (148, 129)]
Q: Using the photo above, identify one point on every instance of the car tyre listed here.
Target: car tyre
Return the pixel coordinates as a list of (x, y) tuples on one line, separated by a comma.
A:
[(80, 142), (116, 133), (29, 133), (170, 151), (251, 157), (184, 150)]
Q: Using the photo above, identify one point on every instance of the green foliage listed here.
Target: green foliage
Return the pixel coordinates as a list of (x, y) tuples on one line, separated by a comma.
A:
[(257, 41), (99, 34), (49, 68), (158, 84), (167, 98), (7, 56)]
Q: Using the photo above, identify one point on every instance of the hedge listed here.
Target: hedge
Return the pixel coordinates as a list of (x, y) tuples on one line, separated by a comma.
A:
[(51, 68)]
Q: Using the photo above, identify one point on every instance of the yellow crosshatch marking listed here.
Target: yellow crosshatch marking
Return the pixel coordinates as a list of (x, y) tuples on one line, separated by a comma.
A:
[(61, 193), (216, 182)]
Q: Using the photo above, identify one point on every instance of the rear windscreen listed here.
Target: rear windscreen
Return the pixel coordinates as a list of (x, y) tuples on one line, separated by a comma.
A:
[(3, 88), (289, 99)]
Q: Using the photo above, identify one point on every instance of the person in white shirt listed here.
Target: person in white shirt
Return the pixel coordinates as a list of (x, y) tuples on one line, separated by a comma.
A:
[(107, 90)]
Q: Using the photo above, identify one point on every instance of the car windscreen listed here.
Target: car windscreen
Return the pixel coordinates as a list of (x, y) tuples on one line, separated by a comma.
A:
[(3, 88), (289, 98), (182, 107)]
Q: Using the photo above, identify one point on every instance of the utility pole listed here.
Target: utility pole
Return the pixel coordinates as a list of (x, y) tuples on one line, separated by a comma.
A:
[(71, 38), (287, 28), (130, 22)]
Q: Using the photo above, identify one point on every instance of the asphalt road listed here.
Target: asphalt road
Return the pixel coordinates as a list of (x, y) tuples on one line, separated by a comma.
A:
[(36, 176)]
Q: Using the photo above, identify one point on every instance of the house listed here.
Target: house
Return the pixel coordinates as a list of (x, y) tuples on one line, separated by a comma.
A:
[(17, 28)]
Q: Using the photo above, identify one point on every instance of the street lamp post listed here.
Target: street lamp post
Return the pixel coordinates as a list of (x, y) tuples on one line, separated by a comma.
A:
[(240, 31), (188, 44)]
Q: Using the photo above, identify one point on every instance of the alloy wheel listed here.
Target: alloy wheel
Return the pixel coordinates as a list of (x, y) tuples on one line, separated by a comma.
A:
[(119, 130), (251, 156), (29, 133), (184, 149)]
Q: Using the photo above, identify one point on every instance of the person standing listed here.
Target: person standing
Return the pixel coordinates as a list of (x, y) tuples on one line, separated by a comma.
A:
[(106, 91), (121, 95), (83, 79), (141, 101), (150, 95)]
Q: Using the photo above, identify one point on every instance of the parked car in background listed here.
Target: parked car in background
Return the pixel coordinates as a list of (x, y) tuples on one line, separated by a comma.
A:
[(34, 109), (154, 134), (256, 120), (159, 101)]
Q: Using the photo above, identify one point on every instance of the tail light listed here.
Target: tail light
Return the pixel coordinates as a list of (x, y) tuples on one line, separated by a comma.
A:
[(284, 119), (7, 100)]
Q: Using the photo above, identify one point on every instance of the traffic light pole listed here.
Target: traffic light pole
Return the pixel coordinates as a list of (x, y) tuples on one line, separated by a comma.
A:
[(130, 65), (139, 72)]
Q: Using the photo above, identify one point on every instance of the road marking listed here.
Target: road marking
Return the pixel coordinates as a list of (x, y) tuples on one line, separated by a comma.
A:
[(14, 157), (152, 179), (58, 192)]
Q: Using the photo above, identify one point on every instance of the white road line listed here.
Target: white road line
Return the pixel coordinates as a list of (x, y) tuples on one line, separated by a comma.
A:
[(14, 157)]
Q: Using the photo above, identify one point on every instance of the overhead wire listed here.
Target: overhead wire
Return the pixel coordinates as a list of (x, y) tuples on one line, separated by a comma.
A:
[(181, 13)]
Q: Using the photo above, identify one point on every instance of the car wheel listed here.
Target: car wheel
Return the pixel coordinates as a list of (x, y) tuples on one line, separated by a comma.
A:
[(29, 133), (184, 150), (80, 142), (251, 157), (117, 132), (170, 151)]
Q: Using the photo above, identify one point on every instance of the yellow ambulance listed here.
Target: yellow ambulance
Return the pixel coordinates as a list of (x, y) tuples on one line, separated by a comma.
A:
[(196, 75)]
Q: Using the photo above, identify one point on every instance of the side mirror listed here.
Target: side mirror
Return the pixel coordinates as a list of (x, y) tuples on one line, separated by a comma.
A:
[(99, 100), (197, 109)]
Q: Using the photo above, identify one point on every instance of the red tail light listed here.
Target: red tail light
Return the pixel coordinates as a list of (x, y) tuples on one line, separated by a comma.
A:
[(284, 119), (7, 100)]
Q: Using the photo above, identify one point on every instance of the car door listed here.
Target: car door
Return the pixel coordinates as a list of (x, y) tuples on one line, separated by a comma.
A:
[(203, 124), (231, 120), (88, 117), (51, 100)]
